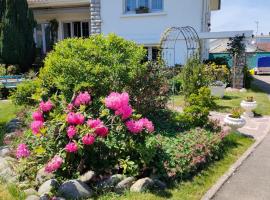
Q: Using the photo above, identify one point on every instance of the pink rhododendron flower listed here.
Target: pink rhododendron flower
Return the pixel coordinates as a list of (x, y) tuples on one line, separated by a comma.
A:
[(46, 106), (134, 126), (38, 116), (71, 131), (75, 118), (71, 147), (148, 124), (82, 99), (124, 111), (22, 151), (116, 100), (120, 104), (36, 126), (54, 164), (98, 125), (88, 139)]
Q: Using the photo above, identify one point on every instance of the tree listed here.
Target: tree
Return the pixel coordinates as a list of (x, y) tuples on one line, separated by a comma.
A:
[(236, 45), (17, 44)]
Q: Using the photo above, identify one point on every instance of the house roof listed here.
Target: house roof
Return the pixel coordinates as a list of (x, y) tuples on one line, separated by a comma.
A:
[(56, 3)]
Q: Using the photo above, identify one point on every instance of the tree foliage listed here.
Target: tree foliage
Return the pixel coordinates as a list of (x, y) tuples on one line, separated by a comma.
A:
[(16, 33), (236, 46)]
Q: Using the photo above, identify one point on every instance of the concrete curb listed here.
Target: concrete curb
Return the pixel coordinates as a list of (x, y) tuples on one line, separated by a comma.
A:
[(217, 186)]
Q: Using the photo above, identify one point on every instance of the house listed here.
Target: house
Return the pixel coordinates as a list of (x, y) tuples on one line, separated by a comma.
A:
[(142, 21)]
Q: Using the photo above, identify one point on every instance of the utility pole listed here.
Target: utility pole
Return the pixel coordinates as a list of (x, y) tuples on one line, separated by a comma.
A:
[(257, 26)]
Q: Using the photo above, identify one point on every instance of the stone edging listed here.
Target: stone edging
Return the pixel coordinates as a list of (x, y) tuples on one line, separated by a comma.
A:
[(217, 186)]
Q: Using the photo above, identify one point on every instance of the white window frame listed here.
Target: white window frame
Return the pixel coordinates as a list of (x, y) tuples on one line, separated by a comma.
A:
[(72, 27), (137, 6)]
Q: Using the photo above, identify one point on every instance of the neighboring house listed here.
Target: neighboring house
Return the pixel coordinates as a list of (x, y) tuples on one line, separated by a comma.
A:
[(142, 21), (256, 47)]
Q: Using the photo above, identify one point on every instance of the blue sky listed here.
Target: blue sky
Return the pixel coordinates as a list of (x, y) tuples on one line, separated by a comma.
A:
[(241, 15)]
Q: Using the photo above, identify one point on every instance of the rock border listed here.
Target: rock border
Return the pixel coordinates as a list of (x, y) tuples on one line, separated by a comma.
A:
[(223, 179)]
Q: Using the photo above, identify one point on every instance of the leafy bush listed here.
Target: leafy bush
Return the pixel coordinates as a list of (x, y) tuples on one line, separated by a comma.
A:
[(70, 139), (216, 73), (197, 110), (247, 77), (99, 63), (181, 155), (2, 70), (102, 64), (25, 93), (193, 77)]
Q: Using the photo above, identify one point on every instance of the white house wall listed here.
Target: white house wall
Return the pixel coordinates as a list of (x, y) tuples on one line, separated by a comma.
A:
[(147, 28)]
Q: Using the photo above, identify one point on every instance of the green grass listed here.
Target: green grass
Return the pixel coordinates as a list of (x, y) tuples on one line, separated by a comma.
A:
[(194, 189), (233, 99), (7, 112)]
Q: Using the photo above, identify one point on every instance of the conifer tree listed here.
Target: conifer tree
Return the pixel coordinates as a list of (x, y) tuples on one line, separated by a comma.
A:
[(16, 33)]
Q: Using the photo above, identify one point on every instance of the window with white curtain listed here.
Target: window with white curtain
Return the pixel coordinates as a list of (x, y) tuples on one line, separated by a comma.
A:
[(153, 5)]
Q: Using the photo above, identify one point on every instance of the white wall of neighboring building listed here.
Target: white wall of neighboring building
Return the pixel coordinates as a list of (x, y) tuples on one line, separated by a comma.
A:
[(147, 28)]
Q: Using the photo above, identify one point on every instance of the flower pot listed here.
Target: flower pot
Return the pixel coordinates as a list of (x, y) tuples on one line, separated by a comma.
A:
[(218, 91), (234, 123), (248, 107)]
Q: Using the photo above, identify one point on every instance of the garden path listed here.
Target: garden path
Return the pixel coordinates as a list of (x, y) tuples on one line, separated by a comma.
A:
[(252, 179)]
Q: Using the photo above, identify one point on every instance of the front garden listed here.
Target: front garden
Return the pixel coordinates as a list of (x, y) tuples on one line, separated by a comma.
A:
[(95, 124)]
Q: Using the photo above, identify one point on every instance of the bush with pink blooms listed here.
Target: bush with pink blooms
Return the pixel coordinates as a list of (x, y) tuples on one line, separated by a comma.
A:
[(70, 138)]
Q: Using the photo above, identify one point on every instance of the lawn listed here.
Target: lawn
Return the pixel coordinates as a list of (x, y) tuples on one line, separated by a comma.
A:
[(233, 99), (194, 189)]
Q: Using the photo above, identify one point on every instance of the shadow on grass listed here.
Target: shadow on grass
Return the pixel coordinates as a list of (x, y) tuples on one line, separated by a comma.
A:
[(2, 132), (226, 97)]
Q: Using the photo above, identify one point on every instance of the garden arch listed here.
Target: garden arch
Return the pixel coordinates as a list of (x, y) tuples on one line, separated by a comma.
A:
[(184, 37)]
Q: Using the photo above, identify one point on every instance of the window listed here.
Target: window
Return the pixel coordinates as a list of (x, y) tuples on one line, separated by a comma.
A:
[(76, 29), (153, 5)]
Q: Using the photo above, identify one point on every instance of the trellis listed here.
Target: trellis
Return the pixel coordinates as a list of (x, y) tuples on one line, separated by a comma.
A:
[(171, 38)]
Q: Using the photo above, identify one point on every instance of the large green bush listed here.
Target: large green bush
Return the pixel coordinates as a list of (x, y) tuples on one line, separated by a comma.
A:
[(99, 63)]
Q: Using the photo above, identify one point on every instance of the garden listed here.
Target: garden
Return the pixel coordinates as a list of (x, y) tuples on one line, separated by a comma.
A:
[(96, 123)]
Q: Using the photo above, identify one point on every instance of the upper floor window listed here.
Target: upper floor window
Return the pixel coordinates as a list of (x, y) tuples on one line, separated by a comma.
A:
[(143, 6)]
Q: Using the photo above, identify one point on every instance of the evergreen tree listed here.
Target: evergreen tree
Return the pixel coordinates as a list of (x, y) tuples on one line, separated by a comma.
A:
[(16, 33)]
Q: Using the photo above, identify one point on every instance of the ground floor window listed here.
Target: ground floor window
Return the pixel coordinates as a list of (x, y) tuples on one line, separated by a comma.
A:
[(76, 29), (42, 36), (153, 53)]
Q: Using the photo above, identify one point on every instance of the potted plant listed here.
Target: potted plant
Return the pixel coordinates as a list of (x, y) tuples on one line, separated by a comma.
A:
[(249, 104), (142, 9), (235, 120), (218, 76)]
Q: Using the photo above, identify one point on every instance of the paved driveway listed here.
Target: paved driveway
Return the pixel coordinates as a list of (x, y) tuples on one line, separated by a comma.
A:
[(263, 82)]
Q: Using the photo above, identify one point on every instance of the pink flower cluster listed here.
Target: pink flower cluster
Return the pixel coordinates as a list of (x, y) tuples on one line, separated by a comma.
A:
[(46, 106), (136, 127), (71, 131), (54, 164), (38, 117), (22, 151), (75, 118), (120, 104), (100, 129), (71, 147), (88, 139), (82, 99)]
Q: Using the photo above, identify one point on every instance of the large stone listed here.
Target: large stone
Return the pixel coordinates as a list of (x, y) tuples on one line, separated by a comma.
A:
[(111, 182), (86, 177), (44, 197), (32, 197), (7, 173), (124, 184), (5, 151), (43, 176), (142, 185), (75, 189), (48, 186), (30, 191), (13, 125)]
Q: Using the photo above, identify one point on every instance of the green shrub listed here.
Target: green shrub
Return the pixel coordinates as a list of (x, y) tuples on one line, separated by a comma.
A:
[(2, 70), (25, 93), (193, 77), (197, 110), (99, 63), (13, 70), (183, 154)]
